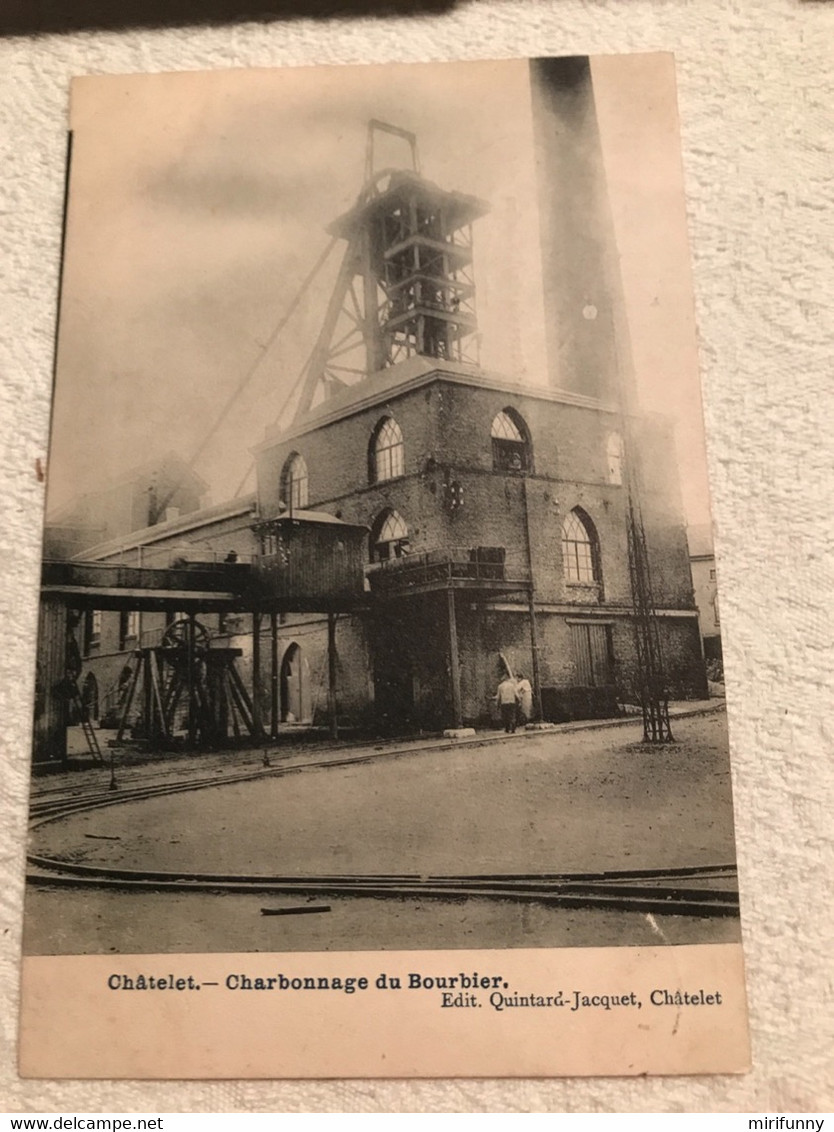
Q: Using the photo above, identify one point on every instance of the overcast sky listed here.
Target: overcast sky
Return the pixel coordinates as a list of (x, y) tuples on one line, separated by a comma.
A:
[(199, 202)]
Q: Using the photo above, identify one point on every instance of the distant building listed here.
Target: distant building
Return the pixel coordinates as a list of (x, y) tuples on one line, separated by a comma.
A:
[(702, 560), (159, 491)]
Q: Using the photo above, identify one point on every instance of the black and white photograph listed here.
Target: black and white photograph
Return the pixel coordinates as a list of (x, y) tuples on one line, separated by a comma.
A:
[(378, 605)]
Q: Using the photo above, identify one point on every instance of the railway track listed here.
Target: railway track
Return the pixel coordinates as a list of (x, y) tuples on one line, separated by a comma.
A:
[(702, 891)]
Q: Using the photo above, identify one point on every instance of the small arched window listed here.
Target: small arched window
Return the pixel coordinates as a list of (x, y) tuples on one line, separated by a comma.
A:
[(389, 537), (510, 443), (386, 455), (614, 453), (580, 549), (294, 483)]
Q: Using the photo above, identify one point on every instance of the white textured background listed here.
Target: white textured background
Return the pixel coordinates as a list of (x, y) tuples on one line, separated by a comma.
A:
[(756, 89)]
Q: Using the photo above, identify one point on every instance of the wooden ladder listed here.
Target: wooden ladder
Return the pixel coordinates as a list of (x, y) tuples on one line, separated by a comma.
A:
[(86, 724)]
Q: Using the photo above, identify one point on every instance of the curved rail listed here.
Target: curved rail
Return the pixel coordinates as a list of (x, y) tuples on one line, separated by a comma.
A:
[(706, 891)]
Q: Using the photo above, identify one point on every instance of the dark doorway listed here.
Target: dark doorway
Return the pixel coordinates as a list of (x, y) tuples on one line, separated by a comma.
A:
[(296, 689), (393, 693), (592, 654)]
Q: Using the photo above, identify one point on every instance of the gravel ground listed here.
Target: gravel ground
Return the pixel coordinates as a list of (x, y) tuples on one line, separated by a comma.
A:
[(583, 801), (548, 803), (62, 922)]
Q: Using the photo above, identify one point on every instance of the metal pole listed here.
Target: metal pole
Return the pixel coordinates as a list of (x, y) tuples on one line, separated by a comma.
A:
[(113, 784), (147, 701), (331, 676), (454, 658), (274, 705), (531, 606), (534, 645), (190, 644), (256, 675)]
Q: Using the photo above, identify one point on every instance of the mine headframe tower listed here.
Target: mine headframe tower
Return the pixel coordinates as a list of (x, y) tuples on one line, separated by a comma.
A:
[(405, 286)]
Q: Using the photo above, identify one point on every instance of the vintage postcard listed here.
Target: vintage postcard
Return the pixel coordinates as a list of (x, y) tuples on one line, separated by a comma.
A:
[(379, 723)]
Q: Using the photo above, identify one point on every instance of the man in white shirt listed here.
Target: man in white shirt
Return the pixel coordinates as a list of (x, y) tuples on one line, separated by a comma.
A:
[(507, 696), (525, 698)]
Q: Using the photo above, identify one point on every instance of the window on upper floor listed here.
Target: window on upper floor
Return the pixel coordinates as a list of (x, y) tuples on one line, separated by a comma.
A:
[(580, 549), (129, 627), (511, 449), (389, 537), (386, 453), (92, 630), (614, 454), (294, 483)]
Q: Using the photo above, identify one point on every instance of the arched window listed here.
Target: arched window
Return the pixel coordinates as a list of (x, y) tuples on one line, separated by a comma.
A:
[(389, 537), (615, 457), (294, 483), (580, 549), (386, 455), (510, 443)]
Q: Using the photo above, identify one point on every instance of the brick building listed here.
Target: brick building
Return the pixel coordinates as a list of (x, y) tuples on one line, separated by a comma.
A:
[(702, 560), (442, 462), (497, 512)]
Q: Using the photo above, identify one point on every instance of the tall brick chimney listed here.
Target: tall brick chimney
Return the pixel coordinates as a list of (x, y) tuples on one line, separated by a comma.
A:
[(578, 247)]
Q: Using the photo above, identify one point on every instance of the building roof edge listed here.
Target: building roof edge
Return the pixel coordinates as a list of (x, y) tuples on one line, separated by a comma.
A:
[(376, 392)]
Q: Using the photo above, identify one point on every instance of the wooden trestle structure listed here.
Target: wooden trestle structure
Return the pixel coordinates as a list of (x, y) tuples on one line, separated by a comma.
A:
[(187, 684), (186, 690)]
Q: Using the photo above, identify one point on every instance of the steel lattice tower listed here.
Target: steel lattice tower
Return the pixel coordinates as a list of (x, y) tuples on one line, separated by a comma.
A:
[(652, 689)]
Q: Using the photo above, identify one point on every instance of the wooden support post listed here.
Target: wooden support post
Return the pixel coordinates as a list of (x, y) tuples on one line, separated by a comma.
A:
[(51, 699), (131, 691), (275, 707), (454, 659), (226, 679), (147, 699), (256, 675), (192, 665), (172, 701), (534, 648), (241, 698), (156, 693), (332, 709), (531, 606)]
